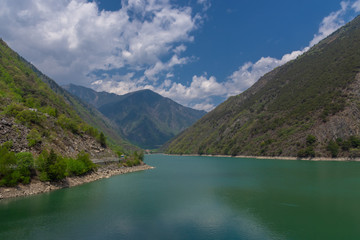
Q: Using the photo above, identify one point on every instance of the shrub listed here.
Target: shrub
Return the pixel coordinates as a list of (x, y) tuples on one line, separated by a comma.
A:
[(135, 159), (50, 111), (25, 165), (354, 141), (51, 166), (57, 171), (85, 159), (7, 167), (102, 140), (354, 153), (8, 144), (310, 140), (67, 123), (13, 109), (33, 137), (81, 165), (333, 148), (15, 168), (30, 116), (75, 167), (91, 131), (307, 152)]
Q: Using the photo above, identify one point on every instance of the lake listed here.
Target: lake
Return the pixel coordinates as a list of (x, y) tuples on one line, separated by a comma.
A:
[(198, 198)]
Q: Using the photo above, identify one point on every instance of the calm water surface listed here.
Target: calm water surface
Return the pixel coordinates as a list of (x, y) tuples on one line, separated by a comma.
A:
[(198, 198)]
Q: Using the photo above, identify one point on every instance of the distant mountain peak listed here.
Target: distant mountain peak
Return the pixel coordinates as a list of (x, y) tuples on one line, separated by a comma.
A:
[(146, 118)]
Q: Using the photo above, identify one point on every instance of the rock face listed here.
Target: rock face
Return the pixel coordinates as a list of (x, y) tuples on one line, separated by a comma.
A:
[(15, 133), (64, 143)]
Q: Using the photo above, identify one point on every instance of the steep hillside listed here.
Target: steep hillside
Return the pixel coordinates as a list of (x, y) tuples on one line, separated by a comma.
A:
[(307, 107), (145, 118), (34, 118), (91, 115)]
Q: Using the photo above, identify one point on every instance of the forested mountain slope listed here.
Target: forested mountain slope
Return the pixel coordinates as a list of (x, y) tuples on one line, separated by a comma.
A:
[(307, 107)]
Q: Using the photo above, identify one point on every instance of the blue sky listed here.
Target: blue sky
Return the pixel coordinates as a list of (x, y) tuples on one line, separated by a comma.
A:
[(196, 52)]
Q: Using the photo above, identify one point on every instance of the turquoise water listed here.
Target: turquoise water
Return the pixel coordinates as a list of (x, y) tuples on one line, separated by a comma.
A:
[(198, 198)]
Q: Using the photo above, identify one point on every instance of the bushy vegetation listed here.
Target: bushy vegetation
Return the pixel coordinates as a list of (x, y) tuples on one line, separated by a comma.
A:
[(102, 140), (53, 167), (81, 165), (134, 159), (309, 150), (15, 168), (349, 147), (18, 168), (333, 148), (33, 137)]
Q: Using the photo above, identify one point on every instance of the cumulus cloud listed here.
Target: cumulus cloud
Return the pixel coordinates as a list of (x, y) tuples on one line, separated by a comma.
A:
[(72, 41), (151, 73), (202, 89), (71, 38), (356, 6), (330, 24), (249, 73), (198, 95)]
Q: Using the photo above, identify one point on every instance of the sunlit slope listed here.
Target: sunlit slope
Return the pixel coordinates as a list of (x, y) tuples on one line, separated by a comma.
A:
[(298, 109)]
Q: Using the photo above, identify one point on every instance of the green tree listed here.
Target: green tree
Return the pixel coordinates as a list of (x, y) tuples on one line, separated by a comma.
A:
[(33, 137), (333, 148), (51, 166), (7, 167), (310, 140), (25, 166), (102, 140)]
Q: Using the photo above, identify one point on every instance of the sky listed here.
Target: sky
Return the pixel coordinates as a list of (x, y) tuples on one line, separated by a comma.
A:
[(196, 52)]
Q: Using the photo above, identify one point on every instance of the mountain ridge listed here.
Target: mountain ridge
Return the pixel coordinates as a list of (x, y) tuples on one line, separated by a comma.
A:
[(145, 118), (312, 96)]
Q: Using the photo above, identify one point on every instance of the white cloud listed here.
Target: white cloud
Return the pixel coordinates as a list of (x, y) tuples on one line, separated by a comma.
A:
[(199, 93), (152, 72), (330, 24), (179, 49), (71, 38), (201, 88), (356, 6), (206, 4), (249, 73), (204, 106)]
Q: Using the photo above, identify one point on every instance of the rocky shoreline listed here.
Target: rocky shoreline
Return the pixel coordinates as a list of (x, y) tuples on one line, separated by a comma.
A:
[(37, 187)]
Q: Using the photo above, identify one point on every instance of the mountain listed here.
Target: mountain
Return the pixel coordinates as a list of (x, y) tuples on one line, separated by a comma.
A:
[(90, 115), (307, 107), (145, 118), (34, 117), (96, 99)]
